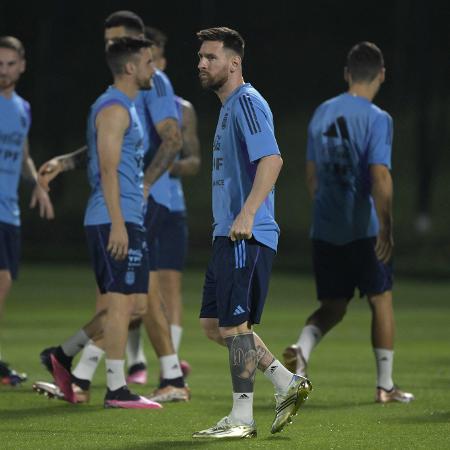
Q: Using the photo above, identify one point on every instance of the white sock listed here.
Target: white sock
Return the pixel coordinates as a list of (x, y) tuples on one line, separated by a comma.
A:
[(242, 412), (135, 349), (170, 367), (75, 343), (308, 339), (279, 376), (385, 360), (115, 375), (89, 361), (176, 331)]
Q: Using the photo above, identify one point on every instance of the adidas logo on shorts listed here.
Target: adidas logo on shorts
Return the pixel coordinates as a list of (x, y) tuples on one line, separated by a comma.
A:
[(239, 310)]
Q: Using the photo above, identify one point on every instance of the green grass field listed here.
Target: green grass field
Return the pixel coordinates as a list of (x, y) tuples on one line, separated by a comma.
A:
[(48, 303)]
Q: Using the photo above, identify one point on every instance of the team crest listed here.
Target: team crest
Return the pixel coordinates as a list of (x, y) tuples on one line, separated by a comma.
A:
[(130, 278)]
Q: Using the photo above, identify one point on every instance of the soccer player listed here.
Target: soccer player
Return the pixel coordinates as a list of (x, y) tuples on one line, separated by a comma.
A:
[(169, 232), (348, 178), (114, 214), (246, 164), (15, 160), (155, 110)]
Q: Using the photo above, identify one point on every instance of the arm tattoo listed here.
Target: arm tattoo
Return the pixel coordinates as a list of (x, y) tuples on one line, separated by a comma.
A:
[(170, 145), (243, 361), (76, 160)]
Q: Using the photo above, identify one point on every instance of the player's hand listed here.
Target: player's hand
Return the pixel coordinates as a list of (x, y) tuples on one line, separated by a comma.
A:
[(40, 197), (48, 171), (384, 245), (242, 226), (118, 241)]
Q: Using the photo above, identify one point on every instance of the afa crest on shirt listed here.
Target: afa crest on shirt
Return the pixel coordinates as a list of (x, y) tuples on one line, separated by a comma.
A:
[(130, 278), (23, 121), (224, 121)]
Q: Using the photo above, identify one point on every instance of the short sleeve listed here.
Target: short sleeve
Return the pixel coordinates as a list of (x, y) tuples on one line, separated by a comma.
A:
[(380, 140), (256, 126), (160, 100)]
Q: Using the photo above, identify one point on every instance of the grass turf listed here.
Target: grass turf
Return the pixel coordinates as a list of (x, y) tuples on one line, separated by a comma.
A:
[(49, 303)]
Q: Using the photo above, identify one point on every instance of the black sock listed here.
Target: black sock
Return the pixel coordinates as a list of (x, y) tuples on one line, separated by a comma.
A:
[(176, 382)]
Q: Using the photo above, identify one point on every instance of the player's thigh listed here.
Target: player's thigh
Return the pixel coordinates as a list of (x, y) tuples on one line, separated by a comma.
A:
[(333, 271), (9, 252), (128, 276), (374, 277), (170, 284)]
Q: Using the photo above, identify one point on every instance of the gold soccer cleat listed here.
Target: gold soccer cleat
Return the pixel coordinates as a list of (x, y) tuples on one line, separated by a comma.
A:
[(394, 395), (225, 429), (288, 404), (294, 360), (170, 394)]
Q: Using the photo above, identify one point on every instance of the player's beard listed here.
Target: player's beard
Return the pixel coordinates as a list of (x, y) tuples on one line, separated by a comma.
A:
[(146, 85), (7, 82), (214, 84)]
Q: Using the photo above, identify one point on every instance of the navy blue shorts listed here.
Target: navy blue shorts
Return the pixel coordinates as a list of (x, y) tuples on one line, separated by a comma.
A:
[(155, 217), (236, 281), (9, 248), (171, 243), (339, 269), (128, 276)]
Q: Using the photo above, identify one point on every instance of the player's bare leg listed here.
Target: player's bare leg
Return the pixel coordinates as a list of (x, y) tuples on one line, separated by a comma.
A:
[(7, 375), (170, 282), (322, 320), (382, 336), (172, 386), (290, 390)]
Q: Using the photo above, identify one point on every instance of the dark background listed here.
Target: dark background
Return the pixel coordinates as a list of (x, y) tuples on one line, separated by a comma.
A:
[(295, 53)]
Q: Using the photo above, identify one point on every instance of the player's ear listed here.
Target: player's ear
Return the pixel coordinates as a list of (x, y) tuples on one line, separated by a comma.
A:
[(235, 63), (346, 75), (382, 75), (23, 65), (129, 68)]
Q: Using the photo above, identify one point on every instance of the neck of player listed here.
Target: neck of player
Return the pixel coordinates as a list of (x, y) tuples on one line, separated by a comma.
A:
[(366, 90), (126, 86), (229, 87)]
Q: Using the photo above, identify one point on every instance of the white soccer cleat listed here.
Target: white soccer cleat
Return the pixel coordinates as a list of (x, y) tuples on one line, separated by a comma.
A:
[(49, 390), (288, 404), (226, 429)]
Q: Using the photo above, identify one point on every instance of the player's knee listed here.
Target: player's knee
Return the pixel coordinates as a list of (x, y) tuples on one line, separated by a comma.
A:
[(382, 300), (211, 330), (5, 283), (335, 310)]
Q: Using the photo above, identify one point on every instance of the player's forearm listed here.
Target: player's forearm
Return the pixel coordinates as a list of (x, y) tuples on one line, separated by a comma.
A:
[(382, 193), (266, 176), (29, 170), (186, 167), (111, 193), (164, 157), (74, 160)]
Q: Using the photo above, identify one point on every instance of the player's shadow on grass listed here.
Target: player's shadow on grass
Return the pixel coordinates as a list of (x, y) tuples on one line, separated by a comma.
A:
[(201, 443), (48, 410), (433, 417), (318, 407)]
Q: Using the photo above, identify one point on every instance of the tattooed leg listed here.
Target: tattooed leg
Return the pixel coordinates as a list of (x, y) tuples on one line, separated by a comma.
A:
[(272, 368), (243, 361)]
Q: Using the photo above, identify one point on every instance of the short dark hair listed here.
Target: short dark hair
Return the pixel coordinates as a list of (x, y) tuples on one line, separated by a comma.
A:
[(364, 62), (121, 50), (12, 43), (157, 36), (231, 38), (128, 19)]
